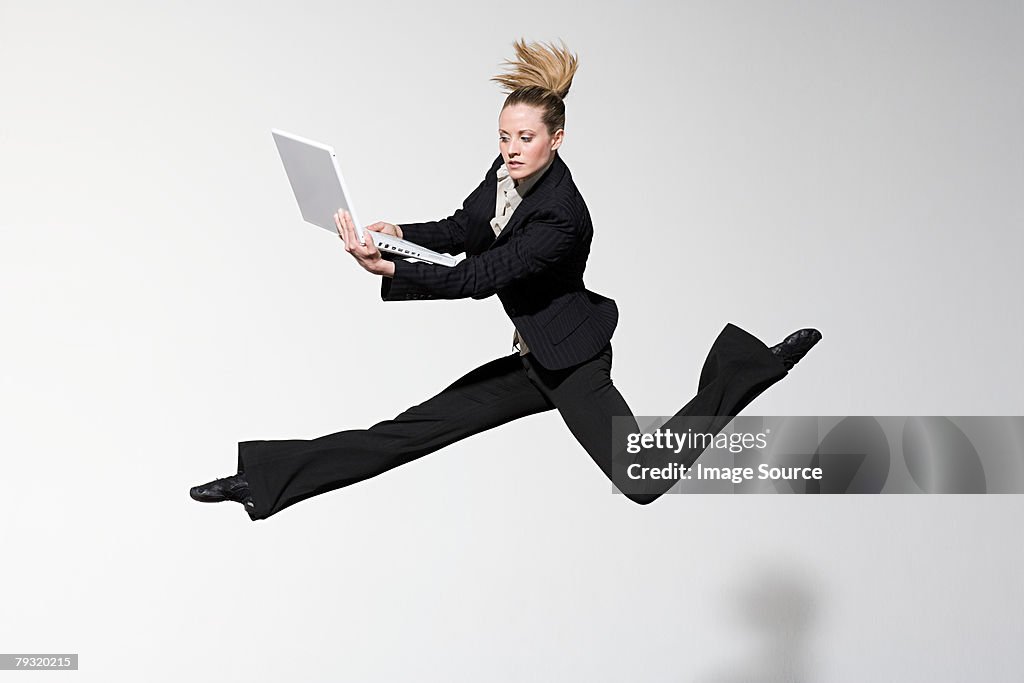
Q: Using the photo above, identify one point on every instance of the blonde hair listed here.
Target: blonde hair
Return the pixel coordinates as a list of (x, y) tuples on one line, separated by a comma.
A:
[(540, 76)]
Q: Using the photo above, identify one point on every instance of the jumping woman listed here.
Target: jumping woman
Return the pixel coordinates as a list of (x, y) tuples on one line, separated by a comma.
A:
[(526, 233)]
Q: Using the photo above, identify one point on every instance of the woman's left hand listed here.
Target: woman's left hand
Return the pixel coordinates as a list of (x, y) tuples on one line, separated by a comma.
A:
[(368, 256)]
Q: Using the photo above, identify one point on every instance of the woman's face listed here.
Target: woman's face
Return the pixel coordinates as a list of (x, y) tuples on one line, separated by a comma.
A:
[(524, 141)]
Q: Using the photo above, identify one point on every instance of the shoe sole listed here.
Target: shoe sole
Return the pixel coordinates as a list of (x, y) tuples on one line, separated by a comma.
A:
[(208, 500), (199, 498)]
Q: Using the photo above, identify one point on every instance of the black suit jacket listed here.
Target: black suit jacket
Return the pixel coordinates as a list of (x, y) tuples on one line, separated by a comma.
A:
[(535, 266)]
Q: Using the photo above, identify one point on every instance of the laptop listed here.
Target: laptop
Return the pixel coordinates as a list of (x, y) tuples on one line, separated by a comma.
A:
[(320, 191)]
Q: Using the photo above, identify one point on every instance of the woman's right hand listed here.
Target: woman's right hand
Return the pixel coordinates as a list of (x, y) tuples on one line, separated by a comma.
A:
[(386, 228)]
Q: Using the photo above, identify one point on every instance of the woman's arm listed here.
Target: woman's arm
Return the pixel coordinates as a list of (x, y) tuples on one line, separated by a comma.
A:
[(447, 235), (541, 243)]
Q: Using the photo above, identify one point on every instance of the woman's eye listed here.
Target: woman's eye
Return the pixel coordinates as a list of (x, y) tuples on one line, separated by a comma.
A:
[(525, 139)]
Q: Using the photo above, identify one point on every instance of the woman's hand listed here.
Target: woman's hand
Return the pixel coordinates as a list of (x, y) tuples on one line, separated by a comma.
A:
[(368, 256), (386, 228)]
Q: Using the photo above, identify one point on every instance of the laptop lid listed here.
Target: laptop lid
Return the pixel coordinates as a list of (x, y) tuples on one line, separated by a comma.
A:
[(316, 180)]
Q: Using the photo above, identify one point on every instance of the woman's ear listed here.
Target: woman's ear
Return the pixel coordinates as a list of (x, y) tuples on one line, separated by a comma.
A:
[(557, 139)]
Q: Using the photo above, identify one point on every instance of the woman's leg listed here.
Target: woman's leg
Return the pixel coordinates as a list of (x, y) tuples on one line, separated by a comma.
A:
[(739, 367), (282, 473)]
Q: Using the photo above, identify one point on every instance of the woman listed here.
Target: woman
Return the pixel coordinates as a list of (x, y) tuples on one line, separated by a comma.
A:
[(526, 232)]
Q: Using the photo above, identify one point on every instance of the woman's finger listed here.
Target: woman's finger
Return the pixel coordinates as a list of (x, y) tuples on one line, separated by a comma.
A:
[(352, 234), (337, 225), (352, 230), (371, 246), (345, 233), (341, 229)]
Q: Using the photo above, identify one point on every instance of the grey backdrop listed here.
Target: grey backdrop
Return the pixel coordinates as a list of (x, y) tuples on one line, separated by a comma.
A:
[(853, 166)]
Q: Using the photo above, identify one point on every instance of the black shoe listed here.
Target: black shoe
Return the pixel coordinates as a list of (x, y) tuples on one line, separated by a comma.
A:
[(234, 488), (796, 346)]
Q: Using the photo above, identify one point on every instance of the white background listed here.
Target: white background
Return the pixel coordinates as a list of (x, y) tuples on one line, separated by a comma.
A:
[(856, 167)]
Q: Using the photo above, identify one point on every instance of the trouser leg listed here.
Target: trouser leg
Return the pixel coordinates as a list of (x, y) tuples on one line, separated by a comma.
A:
[(283, 472), (738, 368)]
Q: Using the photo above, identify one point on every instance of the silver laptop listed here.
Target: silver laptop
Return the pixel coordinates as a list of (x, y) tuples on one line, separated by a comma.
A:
[(320, 191)]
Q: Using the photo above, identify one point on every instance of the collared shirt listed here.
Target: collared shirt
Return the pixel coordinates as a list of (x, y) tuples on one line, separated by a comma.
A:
[(509, 195)]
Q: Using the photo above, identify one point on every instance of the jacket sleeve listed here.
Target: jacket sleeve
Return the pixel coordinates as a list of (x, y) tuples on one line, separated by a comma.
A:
[(539, 244), (447, 235)]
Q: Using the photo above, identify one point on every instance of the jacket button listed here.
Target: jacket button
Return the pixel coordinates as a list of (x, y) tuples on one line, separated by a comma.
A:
[(511, 311)]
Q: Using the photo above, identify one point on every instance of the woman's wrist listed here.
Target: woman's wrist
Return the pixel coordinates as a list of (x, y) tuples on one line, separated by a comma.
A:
[(398, 229)]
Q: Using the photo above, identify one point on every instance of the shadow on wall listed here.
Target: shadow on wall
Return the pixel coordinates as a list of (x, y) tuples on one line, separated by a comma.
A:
[(774, 610)]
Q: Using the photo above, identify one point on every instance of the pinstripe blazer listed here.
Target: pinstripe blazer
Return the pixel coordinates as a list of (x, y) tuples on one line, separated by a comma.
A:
[(535, 266)]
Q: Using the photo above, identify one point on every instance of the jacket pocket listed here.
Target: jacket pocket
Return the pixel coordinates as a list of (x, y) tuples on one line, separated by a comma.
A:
[(566, 320)]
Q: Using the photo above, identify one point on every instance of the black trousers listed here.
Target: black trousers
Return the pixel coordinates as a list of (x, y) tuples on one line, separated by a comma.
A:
[(738, 368)]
